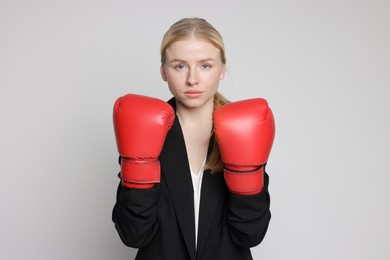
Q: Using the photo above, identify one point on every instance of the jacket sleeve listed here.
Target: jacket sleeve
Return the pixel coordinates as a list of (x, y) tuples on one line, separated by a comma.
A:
[(135, 215), (249, 216)]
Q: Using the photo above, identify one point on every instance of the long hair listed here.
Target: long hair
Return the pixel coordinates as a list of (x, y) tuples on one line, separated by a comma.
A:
[(214, 162)]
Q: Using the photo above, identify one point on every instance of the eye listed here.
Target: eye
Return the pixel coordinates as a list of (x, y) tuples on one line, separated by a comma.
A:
[(180, 67), (206, 66)]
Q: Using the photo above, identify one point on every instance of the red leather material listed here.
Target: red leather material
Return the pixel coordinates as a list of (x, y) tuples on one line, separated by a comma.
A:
[(245, 131), (148, 172), (244, 183), (140, 125)]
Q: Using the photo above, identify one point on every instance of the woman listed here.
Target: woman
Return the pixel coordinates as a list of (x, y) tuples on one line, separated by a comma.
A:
[(185, 192)]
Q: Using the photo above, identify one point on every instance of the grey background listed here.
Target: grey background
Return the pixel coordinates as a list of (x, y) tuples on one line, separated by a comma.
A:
[(322, 65)]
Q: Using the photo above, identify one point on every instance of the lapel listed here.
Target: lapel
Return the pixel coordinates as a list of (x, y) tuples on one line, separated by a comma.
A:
[(212, 194), (177, 175)]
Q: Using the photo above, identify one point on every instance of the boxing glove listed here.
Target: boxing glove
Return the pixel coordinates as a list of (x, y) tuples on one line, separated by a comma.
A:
[(141, 124), (245, 132)]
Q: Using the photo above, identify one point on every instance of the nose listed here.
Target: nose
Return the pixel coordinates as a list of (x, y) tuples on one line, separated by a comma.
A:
[(192, 77)]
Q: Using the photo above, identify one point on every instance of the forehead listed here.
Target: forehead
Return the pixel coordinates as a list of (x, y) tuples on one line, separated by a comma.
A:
[(192, 49)]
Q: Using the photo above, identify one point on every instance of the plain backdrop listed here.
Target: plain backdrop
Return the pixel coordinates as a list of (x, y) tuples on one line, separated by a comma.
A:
[(324, 67)]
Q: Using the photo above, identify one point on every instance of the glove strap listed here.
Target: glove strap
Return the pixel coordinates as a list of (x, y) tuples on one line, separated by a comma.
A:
[(245, 183), (140, 174)]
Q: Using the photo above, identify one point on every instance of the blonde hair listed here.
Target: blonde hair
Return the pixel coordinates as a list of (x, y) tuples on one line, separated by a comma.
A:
[(199, 28), (192, 27), (214, 162)]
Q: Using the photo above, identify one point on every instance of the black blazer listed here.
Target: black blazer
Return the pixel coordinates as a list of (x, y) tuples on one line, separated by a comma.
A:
[(160, 221)]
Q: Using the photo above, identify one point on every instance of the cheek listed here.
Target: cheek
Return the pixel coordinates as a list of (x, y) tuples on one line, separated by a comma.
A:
[(174, 76), (173, 81), (214, 80)]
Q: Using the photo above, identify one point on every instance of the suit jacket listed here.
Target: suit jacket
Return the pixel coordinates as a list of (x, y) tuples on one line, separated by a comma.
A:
[(160, 220)]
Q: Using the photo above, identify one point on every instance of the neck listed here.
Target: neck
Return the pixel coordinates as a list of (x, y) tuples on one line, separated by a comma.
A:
[(196, 124), (201, 116)]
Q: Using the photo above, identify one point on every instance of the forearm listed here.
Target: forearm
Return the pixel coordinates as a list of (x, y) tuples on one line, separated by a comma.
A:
[(135, 215), (249, 217)]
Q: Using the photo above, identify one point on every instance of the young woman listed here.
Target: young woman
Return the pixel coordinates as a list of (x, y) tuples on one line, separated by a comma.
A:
[(193, 184)]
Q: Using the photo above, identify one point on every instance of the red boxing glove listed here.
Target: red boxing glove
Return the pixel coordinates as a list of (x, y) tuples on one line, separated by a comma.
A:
[(245, 132), (141, 124)]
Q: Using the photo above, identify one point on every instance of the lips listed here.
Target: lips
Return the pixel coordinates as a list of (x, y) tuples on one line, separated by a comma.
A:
[(193, 93)]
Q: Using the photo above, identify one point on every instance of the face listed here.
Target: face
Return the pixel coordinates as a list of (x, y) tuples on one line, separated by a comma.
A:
[(193, 70)]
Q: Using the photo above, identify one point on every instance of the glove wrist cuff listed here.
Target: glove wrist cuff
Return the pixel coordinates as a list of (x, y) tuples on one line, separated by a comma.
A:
[(140, 172), (244, 182)]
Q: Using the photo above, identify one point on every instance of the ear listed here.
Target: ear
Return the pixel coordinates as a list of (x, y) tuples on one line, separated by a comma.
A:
[(222, 76), (162, 71)]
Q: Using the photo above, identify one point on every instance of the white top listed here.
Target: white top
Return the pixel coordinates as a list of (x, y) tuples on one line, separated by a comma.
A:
[(197, 184)]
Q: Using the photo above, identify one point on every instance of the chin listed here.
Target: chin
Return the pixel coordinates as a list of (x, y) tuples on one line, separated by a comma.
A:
[(193, 103)]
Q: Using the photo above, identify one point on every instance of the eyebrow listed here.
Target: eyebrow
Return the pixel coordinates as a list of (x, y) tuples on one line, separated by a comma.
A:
[(183, 61)]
